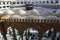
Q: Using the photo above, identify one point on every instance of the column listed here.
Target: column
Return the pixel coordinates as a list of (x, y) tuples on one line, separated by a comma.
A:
[(14, 35), (5, 2), (4, 31), (34, 2), (6, 5), (15, 2), (49, 2), (2, 5), (9, 4), (59, 1), (54, 34), (27, 1), (19, 1), (30, 2), (4, 34), (23, 1)]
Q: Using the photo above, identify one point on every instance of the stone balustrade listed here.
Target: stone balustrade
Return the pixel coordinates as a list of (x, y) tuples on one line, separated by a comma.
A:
[(31, 20)]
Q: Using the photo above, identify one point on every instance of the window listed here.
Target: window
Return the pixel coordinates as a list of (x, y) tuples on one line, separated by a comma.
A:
[(43, 1), (13, 2), (36, 2), (7, 6), (17, 2), (56, 2), (28, 2), (4, 6), (47, 1), (3, 2), (25, 2), (21, 2), (52, 2)]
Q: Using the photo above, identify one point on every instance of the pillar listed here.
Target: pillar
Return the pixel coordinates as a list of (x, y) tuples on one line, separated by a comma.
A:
[(4, 31), (2, 5), (4, 35), (54, 35), (41, 34)]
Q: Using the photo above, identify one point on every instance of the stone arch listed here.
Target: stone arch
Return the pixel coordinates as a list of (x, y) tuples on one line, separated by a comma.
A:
[(48, 34), (30, 33), (14, 33)]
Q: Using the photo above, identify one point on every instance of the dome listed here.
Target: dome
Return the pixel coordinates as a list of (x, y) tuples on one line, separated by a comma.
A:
[(16, 17), (47, 13), (5, 17), (41, 17), (33, 12), (21, 13), (9, 12), (1, 12), (58, 13), (52, 18), (35, 17)]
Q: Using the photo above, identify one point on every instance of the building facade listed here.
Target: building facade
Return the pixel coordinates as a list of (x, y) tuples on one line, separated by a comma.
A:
[(6, 4)]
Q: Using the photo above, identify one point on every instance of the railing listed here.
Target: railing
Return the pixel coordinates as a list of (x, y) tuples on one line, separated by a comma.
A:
[(32, 20)]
